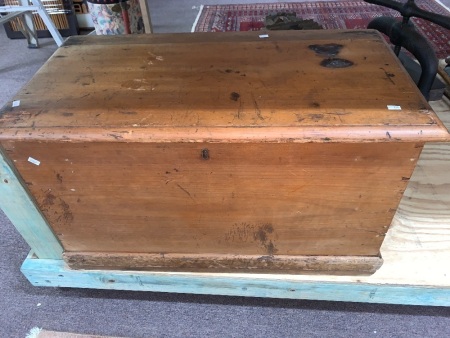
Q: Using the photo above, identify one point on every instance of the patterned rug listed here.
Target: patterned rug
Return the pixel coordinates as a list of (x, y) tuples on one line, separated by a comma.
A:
[(344, 14)]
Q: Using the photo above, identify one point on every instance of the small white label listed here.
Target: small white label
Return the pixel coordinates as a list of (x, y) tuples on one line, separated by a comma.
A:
[(264, 36), (16, 103), (34, 161), (394, 107)]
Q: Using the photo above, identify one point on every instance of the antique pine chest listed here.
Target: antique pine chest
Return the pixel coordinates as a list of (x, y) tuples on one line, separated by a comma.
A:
[(220, 152)]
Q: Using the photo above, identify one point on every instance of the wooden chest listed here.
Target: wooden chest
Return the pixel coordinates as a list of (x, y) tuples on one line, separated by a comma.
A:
[(220, 152)]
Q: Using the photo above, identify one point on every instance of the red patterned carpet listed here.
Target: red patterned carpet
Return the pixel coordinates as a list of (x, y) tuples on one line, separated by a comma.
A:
[(330, 14)]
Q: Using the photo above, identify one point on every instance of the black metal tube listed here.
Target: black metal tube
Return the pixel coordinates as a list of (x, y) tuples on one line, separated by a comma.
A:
[(410, 9), (407, 37)]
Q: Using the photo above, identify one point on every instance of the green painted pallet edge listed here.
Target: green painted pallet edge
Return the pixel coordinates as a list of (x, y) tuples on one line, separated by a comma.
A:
[(17, 205), (48, 272)]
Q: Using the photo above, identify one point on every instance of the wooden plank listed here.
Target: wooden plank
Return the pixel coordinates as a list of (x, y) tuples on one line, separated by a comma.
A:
[(18, 205), (247, 199), (42, 272), (278, 264), (417, 246), (170, 91)]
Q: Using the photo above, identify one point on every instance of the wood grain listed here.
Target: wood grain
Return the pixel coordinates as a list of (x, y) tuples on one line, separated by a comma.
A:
[(339, 265), (415, 269), (54, 273), (417, 246), (263, 199), (221, 88), (210, 144)]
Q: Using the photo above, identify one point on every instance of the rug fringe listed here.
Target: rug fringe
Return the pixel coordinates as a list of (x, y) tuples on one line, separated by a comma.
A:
[(197, 18), (34, 332)]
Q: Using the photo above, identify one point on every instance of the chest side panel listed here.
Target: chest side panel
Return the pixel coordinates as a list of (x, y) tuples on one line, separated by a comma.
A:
[(255, 199)]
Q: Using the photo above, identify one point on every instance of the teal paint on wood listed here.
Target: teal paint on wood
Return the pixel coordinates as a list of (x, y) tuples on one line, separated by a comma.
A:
[(44, 272), (16, 203)]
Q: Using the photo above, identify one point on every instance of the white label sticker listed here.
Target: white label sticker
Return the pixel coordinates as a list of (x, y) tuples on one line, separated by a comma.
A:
[(264, 36), (34, 161), (393, 107), (16, 103)]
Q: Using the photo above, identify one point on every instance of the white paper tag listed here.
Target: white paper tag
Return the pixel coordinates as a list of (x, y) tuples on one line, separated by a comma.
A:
[(393, 107), (16, 103), (34, 161), (264, 36)]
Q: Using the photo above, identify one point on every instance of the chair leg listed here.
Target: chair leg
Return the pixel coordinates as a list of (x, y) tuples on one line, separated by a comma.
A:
[(48, 22), (29, 30)]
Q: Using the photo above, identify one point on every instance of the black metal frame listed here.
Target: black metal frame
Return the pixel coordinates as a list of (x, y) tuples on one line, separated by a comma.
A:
[(403, 34)]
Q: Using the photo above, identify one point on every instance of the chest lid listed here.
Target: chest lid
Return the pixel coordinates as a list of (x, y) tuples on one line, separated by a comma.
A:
[(292, 86)]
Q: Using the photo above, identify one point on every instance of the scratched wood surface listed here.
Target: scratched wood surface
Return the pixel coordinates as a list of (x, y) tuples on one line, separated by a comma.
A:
[(222, 87), (259, 151), (261, 199), (416, 252)]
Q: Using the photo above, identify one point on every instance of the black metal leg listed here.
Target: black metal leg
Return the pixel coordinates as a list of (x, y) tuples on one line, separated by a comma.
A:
[(406, 36)]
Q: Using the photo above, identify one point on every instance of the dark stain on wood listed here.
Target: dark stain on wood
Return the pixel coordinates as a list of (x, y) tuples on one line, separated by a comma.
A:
[(299, 117), (271, 249), (336, 63), (234, 96), (117, 137), (59, 177), (327, 49), (49, 199), (389, 75), (56, 209), (67, 213), (316, 117), (240, 232), (205, 154), (278, 49), (263, 231), (262, 235)]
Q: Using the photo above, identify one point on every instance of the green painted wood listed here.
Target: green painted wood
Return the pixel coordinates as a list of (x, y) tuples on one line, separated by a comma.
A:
[(16, 203), (45, 272)]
